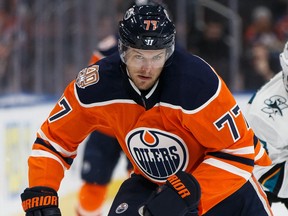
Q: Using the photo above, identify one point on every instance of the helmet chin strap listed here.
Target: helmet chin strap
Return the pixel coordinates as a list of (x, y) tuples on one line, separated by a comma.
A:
[(128, 74), (132, 83), (151, 90)]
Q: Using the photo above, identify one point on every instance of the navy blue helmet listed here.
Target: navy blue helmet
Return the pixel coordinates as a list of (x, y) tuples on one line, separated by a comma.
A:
[(147, 27)]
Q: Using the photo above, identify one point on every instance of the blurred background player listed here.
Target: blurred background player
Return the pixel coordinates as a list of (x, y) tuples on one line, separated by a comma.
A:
[(101, 152), (267, 114), (101, 155)]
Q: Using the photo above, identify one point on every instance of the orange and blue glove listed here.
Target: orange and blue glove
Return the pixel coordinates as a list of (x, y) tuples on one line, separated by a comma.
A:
[(40, 201)]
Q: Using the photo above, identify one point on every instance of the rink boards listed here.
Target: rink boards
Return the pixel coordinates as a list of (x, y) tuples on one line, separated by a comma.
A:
[(18, 125)]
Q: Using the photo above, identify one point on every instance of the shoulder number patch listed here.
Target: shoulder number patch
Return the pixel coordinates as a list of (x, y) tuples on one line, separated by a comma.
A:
[(88, 76)]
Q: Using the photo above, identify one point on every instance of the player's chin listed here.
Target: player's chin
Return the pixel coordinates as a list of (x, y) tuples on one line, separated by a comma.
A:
[(145, 86)]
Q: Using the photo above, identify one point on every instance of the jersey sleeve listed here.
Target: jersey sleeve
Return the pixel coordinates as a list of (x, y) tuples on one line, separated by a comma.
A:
[(58, 138), (268, 133), (231, 147), (106, 47), (95, 57)]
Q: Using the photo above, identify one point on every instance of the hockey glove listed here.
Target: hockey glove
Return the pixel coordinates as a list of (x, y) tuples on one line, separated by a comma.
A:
[(40, 201), (179, 196)]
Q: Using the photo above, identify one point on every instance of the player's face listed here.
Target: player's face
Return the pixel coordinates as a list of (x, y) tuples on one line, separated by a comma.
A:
[(145, 66)]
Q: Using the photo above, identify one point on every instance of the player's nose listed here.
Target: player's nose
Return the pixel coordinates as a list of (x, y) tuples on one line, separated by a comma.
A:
[(147, 66)]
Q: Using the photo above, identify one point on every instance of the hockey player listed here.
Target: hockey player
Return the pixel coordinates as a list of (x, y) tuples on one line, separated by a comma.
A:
[(174, 118), (267, 114), (99, 160), (101, 153)]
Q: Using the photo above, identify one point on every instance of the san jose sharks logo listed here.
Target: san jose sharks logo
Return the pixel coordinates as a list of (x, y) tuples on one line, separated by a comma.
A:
[(274, 106), (158, 154)]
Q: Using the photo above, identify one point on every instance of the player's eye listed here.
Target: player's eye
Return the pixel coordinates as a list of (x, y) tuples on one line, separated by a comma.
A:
[(139, 57), (157, 58)]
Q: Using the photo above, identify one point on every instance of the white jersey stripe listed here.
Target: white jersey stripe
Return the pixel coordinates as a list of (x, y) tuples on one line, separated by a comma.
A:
[(228, 167), (260, 154), (56, 146), (41, 153), (240, 151)]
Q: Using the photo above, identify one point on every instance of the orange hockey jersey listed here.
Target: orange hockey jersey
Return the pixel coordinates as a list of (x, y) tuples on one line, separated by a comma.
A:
[(188, 121)]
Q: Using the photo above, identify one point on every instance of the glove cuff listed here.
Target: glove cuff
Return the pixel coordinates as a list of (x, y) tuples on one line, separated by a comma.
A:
[(38, 198), (180, 195), (187, 187)]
